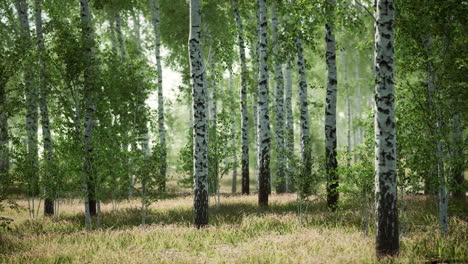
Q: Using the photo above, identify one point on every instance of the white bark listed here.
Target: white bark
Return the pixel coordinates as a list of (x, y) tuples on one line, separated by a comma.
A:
[(90, 106), (254, 56), (31, 103), (348, 106), (233, 134), (118, 22), (213, 171), (387, 235), (440, 156), (279, 109), (289, 134), (243, 96), (304, 120), (263, 113), (199, 102), (358, 133), (330, 113), (46, 135), (161, 128)]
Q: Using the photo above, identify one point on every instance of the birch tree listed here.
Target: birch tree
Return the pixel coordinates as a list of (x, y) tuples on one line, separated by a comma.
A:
[(233, 135), (348, 106), (263, 113), (200, 129), (387, 236), (154, 7), (88, 42), (243, 96), (289, 127), (46, 135), (306, 152), (330, 111), (32, 173), (279, 107), (436, 112)]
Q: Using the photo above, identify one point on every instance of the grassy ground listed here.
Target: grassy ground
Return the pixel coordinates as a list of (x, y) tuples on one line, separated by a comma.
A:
[(239, 232)]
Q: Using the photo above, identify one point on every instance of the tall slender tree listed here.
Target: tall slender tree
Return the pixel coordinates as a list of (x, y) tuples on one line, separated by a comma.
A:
[(31, 103), (348, 105), (243, 96), (200, 129), (387, 235), (330, 111), (306, 152), (43, 94), (233, 134), (289, 127), (88, 42), (154, 7), (263, 113), (279, 109)]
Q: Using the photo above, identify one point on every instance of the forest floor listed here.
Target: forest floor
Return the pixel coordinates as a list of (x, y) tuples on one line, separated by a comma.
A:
[(239, 232)]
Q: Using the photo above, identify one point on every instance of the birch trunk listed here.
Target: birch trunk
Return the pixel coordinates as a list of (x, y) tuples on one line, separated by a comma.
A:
[(263, 113), (118, 25), (255, 114), (358, 134), (31, 104), (199, 103), (330, 114), (289, 142), (387, 235), (213, 171), (141, 135), (162, 130), (244, 110), (280, 148), (233, 134), (306, 152), (90, 109), (46, 135), (348, 107), (435, 109)]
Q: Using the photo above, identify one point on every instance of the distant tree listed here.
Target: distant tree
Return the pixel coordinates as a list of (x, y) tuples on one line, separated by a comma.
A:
[(154, 8), (244, 109)]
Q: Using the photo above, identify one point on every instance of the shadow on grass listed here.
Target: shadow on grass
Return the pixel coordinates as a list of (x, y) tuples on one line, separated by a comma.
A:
[(314, 213)]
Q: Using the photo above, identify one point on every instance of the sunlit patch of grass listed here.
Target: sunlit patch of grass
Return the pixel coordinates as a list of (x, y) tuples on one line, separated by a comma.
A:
[(239, 232)]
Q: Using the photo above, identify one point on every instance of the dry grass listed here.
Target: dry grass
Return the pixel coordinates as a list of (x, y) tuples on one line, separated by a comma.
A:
[(239, 232)]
